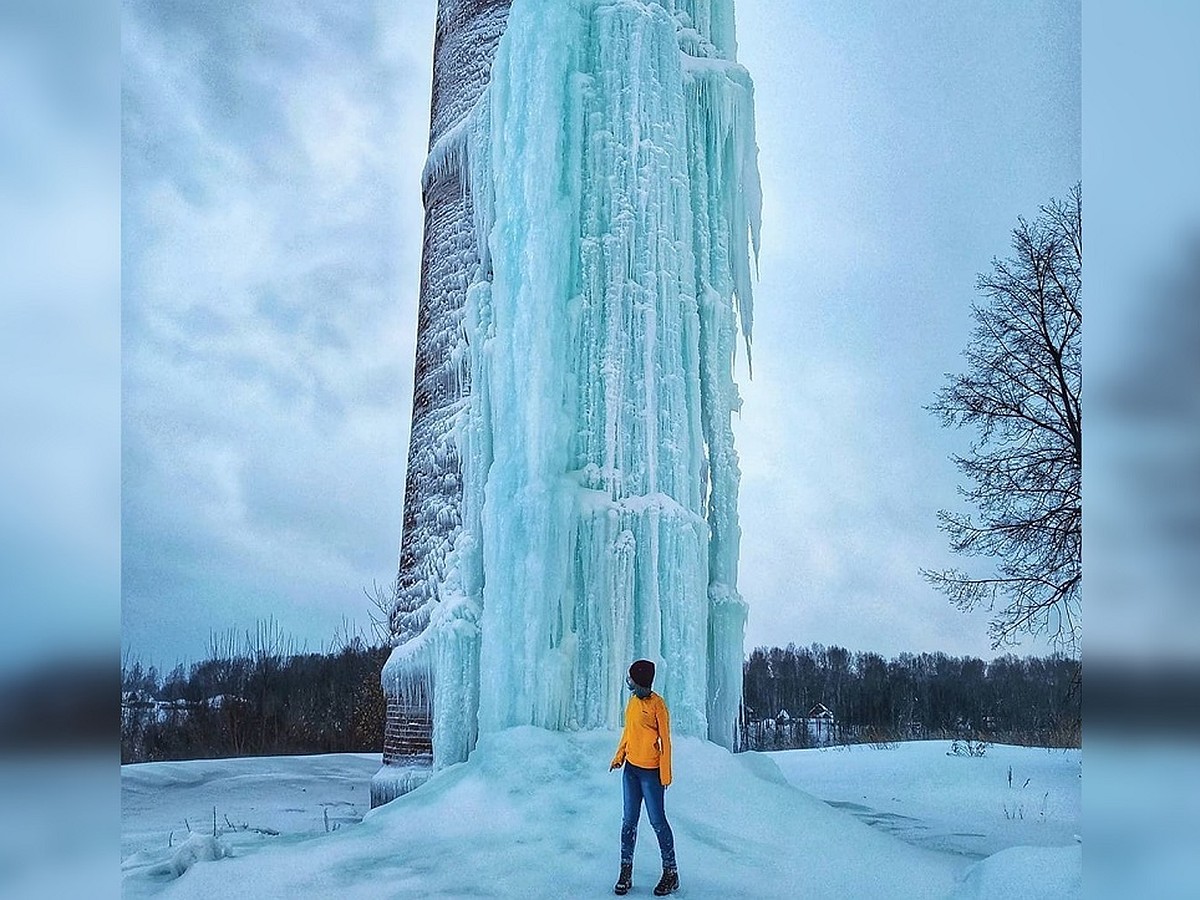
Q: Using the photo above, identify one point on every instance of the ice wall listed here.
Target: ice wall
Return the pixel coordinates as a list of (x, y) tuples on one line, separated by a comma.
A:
[(610, 171)]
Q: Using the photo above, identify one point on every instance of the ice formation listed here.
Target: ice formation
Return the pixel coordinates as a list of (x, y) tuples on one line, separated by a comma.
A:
[(572, 491)]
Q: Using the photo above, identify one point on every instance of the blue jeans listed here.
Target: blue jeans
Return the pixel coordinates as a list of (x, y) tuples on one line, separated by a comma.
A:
[(644, 784)]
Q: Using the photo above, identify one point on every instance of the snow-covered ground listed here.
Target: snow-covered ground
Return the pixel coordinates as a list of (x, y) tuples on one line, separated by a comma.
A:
[(536, 813), (974, 806), (257, 802)]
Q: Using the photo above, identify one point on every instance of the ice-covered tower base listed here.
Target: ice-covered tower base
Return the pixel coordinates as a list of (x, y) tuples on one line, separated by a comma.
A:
[(610, 172)]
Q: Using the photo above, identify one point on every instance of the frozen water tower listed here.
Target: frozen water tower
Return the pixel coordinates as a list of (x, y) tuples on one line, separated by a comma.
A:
[(591, 211)]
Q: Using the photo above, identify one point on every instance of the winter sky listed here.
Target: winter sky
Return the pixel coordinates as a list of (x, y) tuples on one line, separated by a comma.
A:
[(271, 243)]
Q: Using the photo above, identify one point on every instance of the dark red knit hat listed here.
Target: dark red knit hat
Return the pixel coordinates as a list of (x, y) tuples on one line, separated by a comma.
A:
[(642, 673)]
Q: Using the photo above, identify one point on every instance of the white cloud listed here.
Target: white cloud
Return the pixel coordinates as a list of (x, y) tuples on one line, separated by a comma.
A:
[(270, 317)]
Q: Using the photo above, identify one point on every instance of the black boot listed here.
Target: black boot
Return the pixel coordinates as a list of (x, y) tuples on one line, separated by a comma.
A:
[(668, 883), (624, 880)]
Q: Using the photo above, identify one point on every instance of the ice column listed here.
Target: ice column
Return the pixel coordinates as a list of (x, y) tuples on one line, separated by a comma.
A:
[(611, 173)]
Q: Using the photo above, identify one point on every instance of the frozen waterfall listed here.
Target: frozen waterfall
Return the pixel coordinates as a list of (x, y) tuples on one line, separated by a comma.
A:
[(608, 171)]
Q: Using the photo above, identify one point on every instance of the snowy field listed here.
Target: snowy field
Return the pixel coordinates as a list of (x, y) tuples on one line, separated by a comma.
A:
[(536, 813), (973, 806)]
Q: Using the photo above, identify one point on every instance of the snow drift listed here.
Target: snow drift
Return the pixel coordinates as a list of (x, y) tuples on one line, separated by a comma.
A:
[(536, 813)]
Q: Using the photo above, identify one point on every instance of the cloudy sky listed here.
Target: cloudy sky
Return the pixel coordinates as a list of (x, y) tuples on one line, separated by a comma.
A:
[(270, 250)]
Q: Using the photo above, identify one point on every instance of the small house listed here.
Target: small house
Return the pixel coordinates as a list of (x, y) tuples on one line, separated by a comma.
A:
[(821, 725)]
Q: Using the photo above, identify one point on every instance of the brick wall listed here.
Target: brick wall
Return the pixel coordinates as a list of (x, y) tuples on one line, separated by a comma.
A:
[(408, 738)]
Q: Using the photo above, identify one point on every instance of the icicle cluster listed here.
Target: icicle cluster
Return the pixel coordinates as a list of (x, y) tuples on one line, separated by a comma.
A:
[(611, 171)]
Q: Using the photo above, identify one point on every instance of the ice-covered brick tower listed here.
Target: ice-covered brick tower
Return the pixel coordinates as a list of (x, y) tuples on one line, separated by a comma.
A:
[(592, 201)]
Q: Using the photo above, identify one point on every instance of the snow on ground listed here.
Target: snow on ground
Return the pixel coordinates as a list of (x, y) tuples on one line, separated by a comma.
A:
[(536, 813), (257, 802), (958, 804)]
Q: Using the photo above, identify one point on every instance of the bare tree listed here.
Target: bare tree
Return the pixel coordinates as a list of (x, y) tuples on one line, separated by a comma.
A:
[(1021, 391), (383, 603)]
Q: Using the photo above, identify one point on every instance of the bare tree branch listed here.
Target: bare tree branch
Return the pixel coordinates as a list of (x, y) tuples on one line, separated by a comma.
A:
[(1021, 391)]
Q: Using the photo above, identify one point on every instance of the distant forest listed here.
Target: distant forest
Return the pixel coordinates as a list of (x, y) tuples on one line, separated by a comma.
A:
[(1032, 700), (263, 698)]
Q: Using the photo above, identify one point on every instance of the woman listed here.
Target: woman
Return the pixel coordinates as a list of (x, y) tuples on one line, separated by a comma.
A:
[(645, 749)]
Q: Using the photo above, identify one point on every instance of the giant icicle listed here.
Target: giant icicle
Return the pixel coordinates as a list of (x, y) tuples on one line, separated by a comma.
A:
[(609, 176)]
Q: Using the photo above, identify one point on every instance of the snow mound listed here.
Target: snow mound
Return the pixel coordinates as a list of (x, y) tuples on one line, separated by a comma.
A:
[(159, 867), (537, 813), (1032, 873), (197, 848)]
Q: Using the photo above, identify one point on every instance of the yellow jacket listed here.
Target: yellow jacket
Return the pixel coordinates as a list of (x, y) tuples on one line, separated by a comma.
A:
[(646, 740)]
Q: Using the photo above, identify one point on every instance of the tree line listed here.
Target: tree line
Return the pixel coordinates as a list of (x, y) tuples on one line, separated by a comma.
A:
[(260, 699), (1031, 700)]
